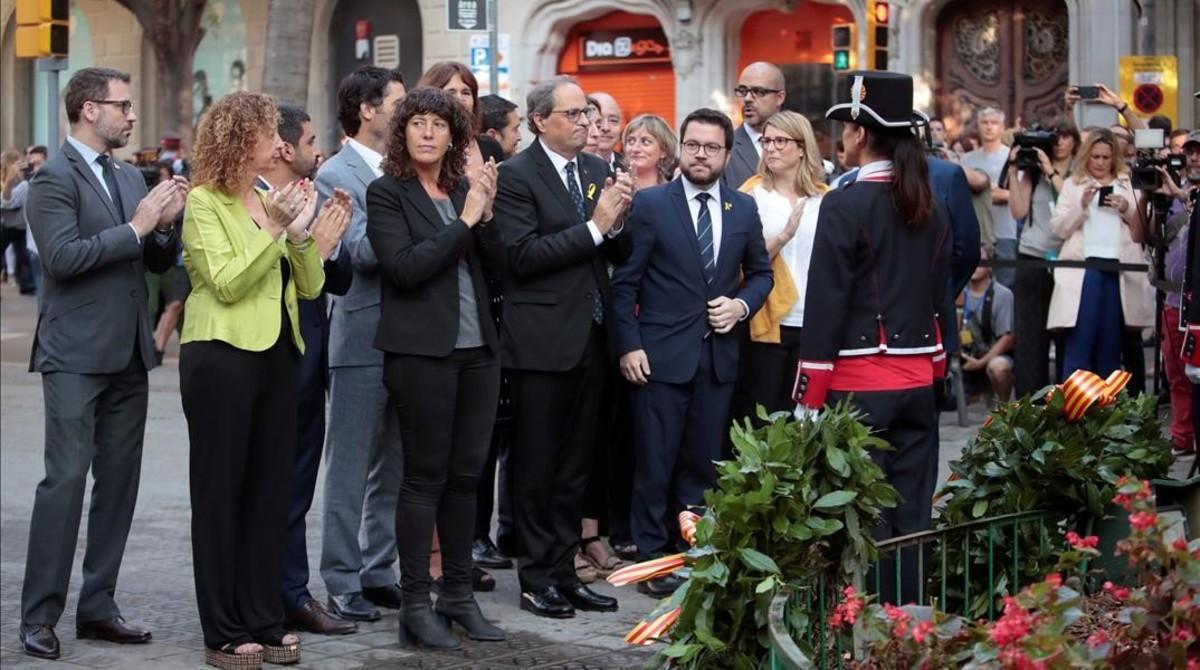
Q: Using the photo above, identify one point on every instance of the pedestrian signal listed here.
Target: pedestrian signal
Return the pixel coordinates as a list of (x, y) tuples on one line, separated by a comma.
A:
[(843, 43)]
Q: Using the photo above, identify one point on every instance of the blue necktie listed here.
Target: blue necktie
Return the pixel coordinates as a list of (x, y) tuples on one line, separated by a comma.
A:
[(704, 235), (577, 198)]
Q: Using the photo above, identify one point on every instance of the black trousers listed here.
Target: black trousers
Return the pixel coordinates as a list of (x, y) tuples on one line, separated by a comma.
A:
[(1032, 289), (445, 408), (679, 429), (241, 411), (610, 487), (23, 273), (555, 417), (908, 421), (494, 484), (766, 376), (310, 440), (94, 422)]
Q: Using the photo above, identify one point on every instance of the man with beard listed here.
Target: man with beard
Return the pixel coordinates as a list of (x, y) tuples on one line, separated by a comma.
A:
[(298, 159), (99, 231), (761, 89), (699, 266)]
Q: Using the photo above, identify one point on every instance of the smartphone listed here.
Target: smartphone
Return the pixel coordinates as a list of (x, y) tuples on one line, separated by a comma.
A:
[(1105, 191), (1088, 92)]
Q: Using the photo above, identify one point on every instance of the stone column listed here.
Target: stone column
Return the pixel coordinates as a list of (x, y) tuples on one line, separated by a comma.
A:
[(1101, 32)]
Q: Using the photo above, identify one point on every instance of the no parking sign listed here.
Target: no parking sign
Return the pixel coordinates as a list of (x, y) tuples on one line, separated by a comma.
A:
[(1150, 84)]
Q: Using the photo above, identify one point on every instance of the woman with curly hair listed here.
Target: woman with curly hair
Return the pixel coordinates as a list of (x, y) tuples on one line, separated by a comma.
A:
[(249, 258), (432, 233)]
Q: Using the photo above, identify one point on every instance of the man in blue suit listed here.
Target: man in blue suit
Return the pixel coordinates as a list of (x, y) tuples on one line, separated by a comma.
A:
[(699, 266)]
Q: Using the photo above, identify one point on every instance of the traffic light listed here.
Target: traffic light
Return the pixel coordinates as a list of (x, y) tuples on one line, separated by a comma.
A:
[(42, 28), (878, 19), (843, 45)]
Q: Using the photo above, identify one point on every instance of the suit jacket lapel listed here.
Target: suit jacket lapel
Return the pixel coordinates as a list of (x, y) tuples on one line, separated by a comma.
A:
[(358, 167), (127, 190), (683, 213), (592, 184), (422, 202), (727, 224), (551, 177), (744, 151), (85, 171)]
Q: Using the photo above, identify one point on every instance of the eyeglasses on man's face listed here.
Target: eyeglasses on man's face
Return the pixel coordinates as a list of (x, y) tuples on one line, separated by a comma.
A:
[(589, 113), (757, 91), (125, 106), (779, 143), (710, 148)]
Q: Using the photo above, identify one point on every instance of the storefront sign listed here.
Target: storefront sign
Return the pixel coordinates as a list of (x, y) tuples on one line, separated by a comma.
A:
[(1150, 84), (637, 46), (466, 15)]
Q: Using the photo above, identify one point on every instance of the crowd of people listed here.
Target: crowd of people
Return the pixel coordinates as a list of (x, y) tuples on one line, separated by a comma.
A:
[(565, 329)]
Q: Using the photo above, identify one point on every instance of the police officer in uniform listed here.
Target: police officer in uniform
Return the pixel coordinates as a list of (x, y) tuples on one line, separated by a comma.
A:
[(880, 268)]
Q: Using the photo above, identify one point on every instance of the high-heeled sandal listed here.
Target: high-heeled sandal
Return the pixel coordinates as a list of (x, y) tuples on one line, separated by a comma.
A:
[(278, 652), (227, 658)]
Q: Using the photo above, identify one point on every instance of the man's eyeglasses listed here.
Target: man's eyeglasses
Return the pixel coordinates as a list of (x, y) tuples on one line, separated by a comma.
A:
[(779, 143), (590, 113), (125, 106), (758, 91), (710, 149)]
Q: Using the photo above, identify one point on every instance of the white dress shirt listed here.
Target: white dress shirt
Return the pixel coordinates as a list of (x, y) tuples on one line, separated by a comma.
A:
[(690, 191), (755, 136), (373, 159), (775, 210), (560, 166)]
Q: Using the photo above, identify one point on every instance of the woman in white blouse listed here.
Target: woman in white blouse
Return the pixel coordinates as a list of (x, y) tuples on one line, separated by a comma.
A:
[(1097, 216), (788, 189)]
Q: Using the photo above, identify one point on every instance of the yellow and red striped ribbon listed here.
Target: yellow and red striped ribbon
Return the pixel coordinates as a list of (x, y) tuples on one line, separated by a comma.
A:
[(1084, 389), (655, 625)]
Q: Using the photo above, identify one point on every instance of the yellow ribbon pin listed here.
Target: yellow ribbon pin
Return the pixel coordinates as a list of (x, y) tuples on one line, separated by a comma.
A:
[(591, 192), (728, 206)]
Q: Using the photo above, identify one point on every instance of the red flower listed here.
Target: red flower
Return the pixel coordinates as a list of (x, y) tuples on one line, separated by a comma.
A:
[(1117, 592), (922, 631), (1182, 635), (1143, 521), (1089, 542), (1016, 659), (899, 618), (1098, 639), (1179, 544), (1054, 579), (1012, 626), (846, 612)]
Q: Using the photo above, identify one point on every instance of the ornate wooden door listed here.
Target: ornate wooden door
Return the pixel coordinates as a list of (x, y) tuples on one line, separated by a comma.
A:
[(1008, 54)]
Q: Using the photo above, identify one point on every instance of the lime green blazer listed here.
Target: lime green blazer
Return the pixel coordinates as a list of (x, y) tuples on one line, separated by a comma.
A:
[(236, 274)]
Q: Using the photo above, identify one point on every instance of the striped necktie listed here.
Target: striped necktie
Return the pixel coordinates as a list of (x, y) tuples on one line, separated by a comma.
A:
[(704, 235)]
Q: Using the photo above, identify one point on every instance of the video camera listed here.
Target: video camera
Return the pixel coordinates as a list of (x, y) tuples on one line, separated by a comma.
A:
[(1029, 142), (1144, 173)]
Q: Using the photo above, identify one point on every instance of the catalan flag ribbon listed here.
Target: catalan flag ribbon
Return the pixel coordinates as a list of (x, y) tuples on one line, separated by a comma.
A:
[(656, 624), (1084, 389)]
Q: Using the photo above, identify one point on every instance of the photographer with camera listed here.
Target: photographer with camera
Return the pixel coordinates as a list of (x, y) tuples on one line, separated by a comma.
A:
[(1175, 240), (1034, 188), (1098, 217)]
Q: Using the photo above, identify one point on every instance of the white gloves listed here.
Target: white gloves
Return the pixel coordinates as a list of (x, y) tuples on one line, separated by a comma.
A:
[(803, 412), (1193, 373)]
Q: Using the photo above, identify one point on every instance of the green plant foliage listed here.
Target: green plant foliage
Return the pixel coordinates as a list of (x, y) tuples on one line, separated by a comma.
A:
[(795, 503), (1028, 456)]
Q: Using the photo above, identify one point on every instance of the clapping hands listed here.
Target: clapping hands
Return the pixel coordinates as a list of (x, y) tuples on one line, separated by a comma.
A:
[(332, 222)]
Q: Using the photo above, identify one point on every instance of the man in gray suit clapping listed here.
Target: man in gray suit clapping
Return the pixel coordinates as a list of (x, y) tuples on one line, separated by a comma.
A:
[(98, 231)]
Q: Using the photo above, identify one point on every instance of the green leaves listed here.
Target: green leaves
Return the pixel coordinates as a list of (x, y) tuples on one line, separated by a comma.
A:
[(796, 502)]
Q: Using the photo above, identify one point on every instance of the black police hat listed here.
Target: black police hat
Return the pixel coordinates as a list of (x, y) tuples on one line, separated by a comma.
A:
[(876, 98)]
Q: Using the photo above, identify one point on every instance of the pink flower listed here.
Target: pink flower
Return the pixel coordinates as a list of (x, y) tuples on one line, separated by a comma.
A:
[(1183, 635), (1098, 639), (899, 618), (1089, 542), (1143, 521), (1054, 579), (846, 612), (1179, 544), (1117, 592), (922, 631), (1016, 659)]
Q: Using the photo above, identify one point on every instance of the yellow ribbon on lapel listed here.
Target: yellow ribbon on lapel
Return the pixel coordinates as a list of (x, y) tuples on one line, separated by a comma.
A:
[(591, 194), (728, 206)]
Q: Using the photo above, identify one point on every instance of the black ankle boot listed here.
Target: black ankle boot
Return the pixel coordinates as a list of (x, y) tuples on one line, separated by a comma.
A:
[(420, 626), (464, 611)]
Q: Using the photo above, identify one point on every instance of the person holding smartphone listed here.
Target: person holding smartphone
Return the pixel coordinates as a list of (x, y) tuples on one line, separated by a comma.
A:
[(1098, 219)]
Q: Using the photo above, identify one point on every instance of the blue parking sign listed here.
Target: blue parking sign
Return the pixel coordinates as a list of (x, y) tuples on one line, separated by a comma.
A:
[(479, 56)]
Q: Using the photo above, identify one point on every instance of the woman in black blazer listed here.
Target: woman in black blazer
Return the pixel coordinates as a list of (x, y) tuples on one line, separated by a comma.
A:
[(432, 233)]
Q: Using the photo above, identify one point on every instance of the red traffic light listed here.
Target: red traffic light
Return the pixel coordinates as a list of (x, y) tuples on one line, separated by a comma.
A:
[(882, 13)]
